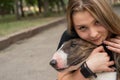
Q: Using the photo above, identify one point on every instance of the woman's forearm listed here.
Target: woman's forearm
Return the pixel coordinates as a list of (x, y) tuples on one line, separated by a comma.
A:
[(72, 76)]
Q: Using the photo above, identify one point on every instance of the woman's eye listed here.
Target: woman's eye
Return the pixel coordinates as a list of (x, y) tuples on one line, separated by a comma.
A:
[(97, 23), (82, 28)]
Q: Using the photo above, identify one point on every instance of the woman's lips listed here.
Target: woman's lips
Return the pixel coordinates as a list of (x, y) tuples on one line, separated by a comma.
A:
[(96, 40)]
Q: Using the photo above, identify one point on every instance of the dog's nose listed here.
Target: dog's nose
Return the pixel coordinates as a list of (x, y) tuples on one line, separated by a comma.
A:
[(53, 63)]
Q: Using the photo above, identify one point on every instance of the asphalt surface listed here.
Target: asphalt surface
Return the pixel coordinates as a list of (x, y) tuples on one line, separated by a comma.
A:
[(29, 59)]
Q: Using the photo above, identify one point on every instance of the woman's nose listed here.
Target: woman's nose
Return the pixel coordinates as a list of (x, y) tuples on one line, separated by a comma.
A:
[(93, 33)]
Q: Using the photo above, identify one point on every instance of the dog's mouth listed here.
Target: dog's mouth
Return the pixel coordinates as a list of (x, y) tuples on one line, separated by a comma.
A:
[(61, 69)]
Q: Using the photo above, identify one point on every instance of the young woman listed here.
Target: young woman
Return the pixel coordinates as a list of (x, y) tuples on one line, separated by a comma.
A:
[(95, 22)]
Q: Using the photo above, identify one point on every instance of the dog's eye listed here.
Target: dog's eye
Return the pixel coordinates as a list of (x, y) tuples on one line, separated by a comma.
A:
[(73, 44)]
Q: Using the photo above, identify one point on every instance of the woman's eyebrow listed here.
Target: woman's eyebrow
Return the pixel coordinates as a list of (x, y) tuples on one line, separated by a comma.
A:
[(80, 25)]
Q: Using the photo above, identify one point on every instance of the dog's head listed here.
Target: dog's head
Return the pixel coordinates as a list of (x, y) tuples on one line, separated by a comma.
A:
[(71, 54)]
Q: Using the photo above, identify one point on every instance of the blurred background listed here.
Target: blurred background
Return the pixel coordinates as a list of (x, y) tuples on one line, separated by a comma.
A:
[(28, 59), (19, 14)]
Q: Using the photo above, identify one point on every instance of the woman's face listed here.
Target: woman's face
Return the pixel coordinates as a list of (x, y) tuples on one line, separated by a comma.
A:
[(88, 28)]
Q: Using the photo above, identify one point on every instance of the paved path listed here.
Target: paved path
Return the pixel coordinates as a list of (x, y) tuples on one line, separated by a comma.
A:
[(29, 59)]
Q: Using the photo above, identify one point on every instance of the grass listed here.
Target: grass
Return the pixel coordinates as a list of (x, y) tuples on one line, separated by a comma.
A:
[(116, 4), (9, 24)]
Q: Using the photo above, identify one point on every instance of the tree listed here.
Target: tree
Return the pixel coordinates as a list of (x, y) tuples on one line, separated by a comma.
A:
[(46, 7), (31, 3), (63, 5), (19, 9), (40, 5)]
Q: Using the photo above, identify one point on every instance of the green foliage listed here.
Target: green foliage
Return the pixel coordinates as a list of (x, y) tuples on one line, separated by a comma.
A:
[(31, 2), (44, 6), (6, 5), (66, 2), (52, 2), (116, 4)]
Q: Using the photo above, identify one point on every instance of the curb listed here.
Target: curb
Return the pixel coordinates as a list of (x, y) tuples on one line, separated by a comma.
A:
[(10, 39)]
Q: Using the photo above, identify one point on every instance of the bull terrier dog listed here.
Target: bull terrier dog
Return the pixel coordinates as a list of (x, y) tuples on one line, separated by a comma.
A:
[(72, 54)]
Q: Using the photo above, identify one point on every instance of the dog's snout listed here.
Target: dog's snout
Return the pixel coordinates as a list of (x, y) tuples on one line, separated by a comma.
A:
[(53, 63)]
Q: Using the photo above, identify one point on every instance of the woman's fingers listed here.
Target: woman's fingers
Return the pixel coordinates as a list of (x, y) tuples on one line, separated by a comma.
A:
[(115, 40), (110, 63), (118, 37), (99, 49), (108, 69), (117, 50), (113, 44)]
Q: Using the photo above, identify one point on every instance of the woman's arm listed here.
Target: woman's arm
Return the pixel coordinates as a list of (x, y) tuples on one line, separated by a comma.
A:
[(71, 76)]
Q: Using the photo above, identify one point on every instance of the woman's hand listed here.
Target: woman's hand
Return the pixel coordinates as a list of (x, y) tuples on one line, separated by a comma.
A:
[(99, 61), (113, 44)]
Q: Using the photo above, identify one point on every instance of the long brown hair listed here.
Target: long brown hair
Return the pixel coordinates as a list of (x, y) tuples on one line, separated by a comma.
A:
[(102, 12), (99, 9)]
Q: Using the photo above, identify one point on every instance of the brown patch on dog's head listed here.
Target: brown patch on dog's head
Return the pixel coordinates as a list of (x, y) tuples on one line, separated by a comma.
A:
[(78, 50)]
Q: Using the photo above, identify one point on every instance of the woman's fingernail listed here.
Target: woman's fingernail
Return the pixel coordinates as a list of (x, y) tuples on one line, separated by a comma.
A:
[(104, 41), (107, 46)]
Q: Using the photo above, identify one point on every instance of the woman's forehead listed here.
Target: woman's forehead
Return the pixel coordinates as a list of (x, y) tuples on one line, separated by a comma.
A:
[(83, 18)]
